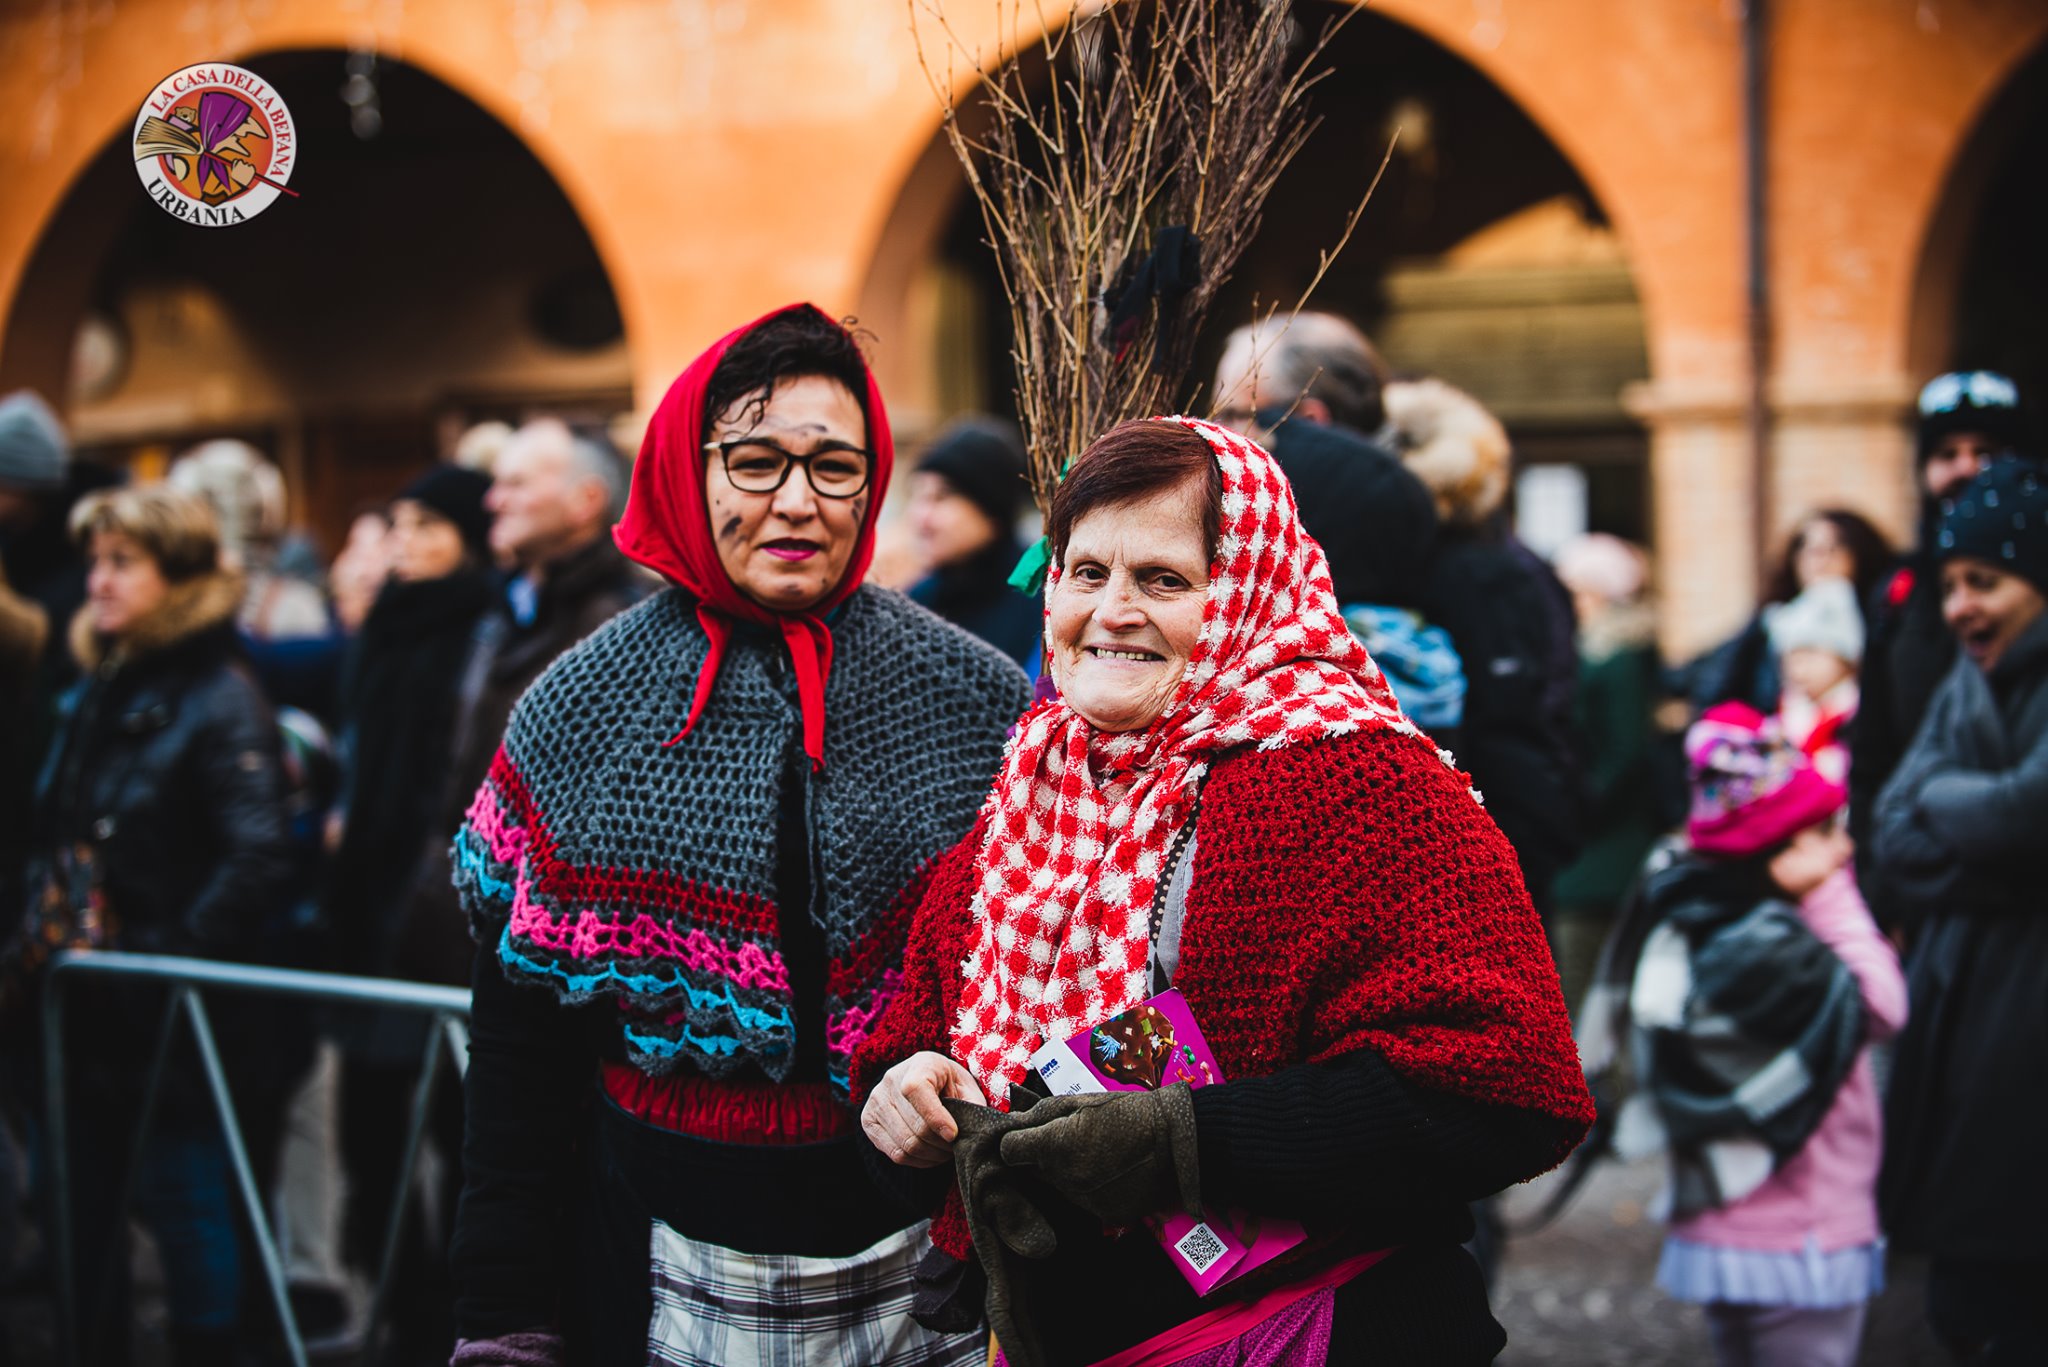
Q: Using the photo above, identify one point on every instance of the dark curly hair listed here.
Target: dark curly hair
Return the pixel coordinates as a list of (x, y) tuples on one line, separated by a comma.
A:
[(1866, 545), (798, 341)]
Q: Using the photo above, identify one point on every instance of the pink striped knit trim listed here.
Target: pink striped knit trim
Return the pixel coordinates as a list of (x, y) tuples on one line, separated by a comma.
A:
[(505, 838), (587, 935), (846, 1032)]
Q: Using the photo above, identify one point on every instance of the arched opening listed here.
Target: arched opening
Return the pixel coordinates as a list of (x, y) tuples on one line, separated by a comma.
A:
[(1484, 258), (1983, 275), (431, 275)]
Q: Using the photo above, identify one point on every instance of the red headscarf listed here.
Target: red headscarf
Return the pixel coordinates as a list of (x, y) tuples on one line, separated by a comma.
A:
[(667, 528)]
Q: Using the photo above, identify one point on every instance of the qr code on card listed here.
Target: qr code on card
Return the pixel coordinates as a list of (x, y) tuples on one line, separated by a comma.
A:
[(1201, 1248)]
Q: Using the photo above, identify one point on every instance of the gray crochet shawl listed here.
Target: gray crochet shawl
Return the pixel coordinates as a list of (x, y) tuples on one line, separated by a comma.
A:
[(608, 860)]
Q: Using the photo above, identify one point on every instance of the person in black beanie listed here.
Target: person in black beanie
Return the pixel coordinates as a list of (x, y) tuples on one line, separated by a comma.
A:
[(1967, 419), (398, 704), (965, 499), (455, 496), (1956, 834)]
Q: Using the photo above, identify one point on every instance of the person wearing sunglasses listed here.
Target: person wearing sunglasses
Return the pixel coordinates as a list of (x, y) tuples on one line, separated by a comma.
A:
[(690, 874), (1967, 419)]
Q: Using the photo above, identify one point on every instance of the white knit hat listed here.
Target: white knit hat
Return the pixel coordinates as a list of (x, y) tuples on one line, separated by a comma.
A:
[(1825, 616), (1603, 566), (247, 492)]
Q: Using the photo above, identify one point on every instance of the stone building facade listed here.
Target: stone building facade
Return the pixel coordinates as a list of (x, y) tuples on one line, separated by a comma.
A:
[(712, 158)]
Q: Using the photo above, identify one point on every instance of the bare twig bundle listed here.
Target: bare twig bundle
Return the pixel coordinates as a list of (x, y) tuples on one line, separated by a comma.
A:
[(1119, 197)]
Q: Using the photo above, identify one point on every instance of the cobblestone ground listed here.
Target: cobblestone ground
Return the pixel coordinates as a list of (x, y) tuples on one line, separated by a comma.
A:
[(1581, 1293)]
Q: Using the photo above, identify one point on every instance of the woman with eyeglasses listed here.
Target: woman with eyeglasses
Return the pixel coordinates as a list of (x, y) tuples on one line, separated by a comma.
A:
[(691, 875)]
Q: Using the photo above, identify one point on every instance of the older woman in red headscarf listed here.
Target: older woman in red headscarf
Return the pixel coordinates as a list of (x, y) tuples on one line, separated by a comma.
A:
[(691, 874), (1227, 801)]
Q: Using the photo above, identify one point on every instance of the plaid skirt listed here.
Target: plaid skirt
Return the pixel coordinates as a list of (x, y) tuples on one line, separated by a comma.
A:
[(698, 1254), (714, 1307)]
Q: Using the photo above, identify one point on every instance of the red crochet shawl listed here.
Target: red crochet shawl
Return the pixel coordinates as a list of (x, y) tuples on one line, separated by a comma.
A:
[(1348, 893)]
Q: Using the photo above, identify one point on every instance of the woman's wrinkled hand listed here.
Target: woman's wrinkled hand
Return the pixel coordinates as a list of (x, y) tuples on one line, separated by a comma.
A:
[(905, 1116)]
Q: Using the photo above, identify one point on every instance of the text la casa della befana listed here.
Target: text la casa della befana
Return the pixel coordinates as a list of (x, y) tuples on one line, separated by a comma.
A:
[(232, 78)]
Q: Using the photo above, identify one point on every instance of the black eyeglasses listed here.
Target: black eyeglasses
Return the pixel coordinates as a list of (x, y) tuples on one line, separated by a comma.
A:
[(755, 466)]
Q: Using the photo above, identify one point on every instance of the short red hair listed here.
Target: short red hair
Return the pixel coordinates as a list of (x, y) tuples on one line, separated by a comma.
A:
[(1130, 463)]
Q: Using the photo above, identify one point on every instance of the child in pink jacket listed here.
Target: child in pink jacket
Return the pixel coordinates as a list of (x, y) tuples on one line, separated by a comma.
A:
[(1775, 1227)]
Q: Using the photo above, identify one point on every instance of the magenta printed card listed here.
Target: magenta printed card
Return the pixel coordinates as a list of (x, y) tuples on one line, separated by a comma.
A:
[(1156, 1044)]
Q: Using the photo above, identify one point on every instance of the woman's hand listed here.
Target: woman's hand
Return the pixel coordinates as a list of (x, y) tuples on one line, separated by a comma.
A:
[(905, 1116)]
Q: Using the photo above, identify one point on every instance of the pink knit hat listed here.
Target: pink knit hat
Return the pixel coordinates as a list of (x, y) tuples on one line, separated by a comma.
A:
[(1751, 789)]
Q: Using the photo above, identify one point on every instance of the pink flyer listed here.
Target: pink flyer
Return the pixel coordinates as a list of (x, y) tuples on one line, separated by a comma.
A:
[(1156, 1044)]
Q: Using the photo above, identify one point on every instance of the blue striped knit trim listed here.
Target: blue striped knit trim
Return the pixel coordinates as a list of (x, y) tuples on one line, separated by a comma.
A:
[(647, 985), (716, 1046), (479, 863)]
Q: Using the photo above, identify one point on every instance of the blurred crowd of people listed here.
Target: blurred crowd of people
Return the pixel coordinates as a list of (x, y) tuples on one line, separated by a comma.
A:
[(215, 746), (215, 749), (1831, 876), (1798, 809)]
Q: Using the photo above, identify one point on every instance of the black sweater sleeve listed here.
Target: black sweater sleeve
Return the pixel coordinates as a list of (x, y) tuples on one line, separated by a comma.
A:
[(915, 1191), (531, 1065), (1348, 1139)]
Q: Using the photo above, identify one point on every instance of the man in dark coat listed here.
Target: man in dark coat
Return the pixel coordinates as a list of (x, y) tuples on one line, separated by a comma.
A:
[(1296, 385), (1967, 419), (1375, 521), (1311, 396), (554, 496)]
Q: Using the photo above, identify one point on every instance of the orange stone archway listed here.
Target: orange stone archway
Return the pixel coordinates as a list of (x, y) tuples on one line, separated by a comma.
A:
[(1868, 112), (730, 155), (932, 187), (703, 209), (1945, 235), (95, 113), (1670, 272)]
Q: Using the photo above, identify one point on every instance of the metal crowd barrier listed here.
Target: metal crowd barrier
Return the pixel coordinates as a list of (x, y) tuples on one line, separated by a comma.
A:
[(448, 1033)]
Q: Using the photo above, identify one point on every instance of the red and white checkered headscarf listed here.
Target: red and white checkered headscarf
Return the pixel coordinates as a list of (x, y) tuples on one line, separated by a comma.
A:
[(1081, 822)]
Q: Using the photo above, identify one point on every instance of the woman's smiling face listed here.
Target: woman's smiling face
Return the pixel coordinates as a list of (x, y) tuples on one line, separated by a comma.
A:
[(1986, 607), (1127, 609)]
